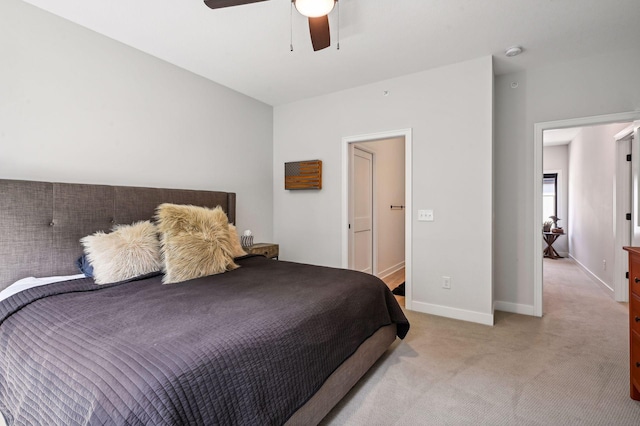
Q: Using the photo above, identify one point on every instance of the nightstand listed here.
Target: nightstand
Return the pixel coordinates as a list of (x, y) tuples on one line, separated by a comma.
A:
[(266, 249)]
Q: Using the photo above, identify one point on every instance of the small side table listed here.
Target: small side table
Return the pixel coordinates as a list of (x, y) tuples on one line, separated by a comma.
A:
[(269, 250), (550, 238)]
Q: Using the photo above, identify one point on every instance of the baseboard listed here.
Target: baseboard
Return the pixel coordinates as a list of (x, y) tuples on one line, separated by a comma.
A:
[(515, 308), (454, 313), (395, 268), (594, 277)]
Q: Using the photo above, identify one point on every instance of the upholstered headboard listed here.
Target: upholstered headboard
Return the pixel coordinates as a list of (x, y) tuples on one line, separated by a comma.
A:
[(41, 223)]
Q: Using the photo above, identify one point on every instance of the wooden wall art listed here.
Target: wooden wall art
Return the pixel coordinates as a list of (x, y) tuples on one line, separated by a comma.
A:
[(303, 174)]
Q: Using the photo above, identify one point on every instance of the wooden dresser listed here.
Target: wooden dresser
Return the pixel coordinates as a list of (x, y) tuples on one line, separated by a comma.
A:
[(634, 321)]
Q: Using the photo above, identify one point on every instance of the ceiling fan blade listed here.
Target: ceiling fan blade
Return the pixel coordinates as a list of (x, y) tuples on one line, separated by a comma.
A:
[(319, 29), (217, 4)]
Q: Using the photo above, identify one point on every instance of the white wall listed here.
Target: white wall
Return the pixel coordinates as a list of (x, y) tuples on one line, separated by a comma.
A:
[(76, 106), (556, 160), (592, 165), (587, 87), (389, 190), (450, 111)]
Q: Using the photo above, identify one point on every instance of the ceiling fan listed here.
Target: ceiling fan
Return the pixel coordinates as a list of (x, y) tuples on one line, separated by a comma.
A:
[(316, 10)]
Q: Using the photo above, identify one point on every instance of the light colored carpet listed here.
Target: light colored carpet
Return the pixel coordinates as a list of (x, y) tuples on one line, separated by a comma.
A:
[(570, 367)]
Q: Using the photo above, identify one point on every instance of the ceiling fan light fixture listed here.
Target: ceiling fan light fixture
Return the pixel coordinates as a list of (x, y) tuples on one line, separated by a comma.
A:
[(314, 8)]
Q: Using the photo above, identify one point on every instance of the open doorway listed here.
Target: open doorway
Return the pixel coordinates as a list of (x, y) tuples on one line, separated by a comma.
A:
[(589, 237), (377, 207), (585, 170)]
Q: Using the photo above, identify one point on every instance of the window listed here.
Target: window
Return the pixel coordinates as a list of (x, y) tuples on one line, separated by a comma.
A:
[(549, 195)]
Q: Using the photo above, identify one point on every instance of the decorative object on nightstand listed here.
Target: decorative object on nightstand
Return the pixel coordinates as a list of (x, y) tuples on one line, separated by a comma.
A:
[(246, 239), (266, 249), (556, 229)]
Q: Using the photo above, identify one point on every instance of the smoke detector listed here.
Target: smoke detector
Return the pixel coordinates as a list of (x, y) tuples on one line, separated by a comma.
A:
[(513, 51)]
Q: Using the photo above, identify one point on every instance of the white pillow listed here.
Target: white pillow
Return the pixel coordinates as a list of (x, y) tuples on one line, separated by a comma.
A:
[(29, 282), (127, 252)]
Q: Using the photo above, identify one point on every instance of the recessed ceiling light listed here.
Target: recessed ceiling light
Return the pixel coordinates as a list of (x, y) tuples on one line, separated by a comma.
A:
[(513, 51)]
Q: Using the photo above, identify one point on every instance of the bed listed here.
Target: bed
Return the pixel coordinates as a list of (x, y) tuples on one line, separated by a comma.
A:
[(271, 342)]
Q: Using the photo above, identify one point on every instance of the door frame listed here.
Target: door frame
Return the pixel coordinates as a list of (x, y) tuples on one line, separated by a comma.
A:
[(408, 143), (538, 129)]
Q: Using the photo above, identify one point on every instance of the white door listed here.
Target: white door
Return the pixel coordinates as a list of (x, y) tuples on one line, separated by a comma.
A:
[(361, 223), (635, 185), (622, 223)]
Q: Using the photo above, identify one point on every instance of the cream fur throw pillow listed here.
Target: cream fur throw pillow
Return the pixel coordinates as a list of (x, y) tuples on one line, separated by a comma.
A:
[(194, 241), (236, 247), (129, 251)]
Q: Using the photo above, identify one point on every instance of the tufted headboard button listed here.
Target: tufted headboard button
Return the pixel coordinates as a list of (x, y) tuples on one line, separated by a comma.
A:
[(51, 223)]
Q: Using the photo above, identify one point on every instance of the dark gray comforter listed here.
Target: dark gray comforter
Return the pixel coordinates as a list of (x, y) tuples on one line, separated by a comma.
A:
[(248, 346)]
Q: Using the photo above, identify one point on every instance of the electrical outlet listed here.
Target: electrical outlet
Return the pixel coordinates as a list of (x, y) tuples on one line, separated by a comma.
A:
[(604, 264), (446, 282)]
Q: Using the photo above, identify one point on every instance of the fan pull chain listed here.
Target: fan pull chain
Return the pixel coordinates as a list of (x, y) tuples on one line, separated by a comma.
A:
[(291, 27), (338, 44)]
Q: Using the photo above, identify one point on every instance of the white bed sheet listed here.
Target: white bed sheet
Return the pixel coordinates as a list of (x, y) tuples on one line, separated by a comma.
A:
[(30, 282)]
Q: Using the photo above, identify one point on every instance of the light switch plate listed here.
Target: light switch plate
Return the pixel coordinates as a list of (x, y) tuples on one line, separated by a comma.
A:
[(425, 215)]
